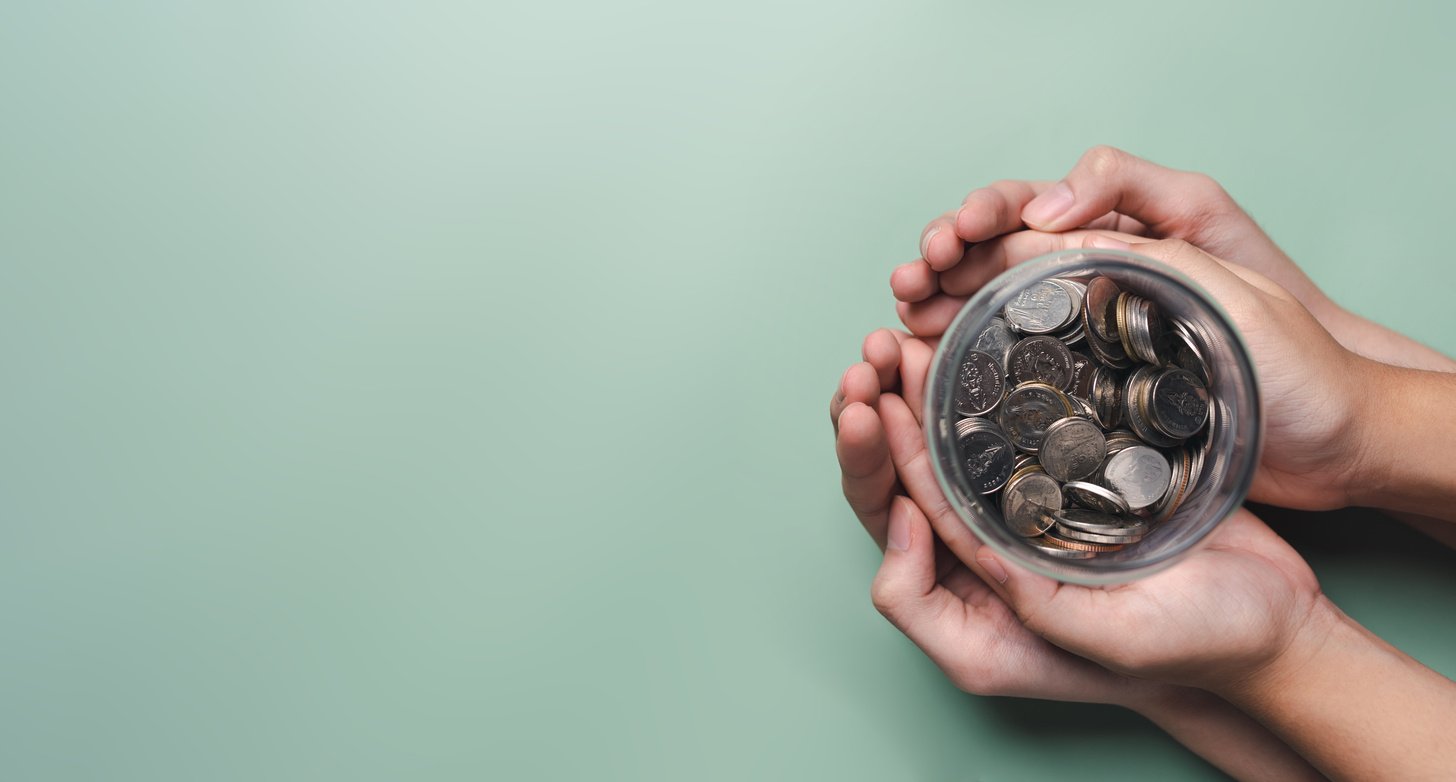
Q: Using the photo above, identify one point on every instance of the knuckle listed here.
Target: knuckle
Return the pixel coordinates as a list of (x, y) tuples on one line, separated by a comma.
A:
[(976, 678), (883, 597), (1103, 160), (1206, 186)]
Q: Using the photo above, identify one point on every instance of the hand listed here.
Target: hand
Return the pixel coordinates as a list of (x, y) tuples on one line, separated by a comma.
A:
[(1226, 611), (1313, 388), (1111, 189), (963, 625)]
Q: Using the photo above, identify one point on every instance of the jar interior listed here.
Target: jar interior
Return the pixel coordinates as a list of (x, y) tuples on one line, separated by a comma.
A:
[(1229, 442)]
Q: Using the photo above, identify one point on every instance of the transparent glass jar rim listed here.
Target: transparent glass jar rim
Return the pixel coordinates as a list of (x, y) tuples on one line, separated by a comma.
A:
[(1091, 261)]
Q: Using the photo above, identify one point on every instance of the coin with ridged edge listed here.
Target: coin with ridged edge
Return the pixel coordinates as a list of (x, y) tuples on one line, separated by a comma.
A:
[(995, 338), (1139, 474), (1090, 495), (1042, 360), (1069, 439), (985, 454), (1040, 308), (1072, 449), (1027, 503), (1179, 404), (980, 384), (1028, 410)]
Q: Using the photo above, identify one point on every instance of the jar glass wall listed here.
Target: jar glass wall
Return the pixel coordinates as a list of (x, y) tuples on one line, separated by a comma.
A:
[(1227, 449)]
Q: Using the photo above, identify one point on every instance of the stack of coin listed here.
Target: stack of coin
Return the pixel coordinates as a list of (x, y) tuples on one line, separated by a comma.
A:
[(1088, 452)]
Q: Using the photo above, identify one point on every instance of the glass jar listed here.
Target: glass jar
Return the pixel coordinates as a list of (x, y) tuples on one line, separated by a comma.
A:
[(1228, 448)]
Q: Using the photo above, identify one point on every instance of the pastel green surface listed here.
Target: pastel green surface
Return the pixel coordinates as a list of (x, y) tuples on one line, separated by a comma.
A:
[(437, 390)]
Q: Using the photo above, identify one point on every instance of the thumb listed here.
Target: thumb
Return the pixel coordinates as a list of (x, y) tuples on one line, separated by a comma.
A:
[(1173, 203), (905, 588), (1227, 282)]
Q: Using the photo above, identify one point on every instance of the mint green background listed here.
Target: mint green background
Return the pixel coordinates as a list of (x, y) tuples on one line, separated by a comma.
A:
[(437, 390)]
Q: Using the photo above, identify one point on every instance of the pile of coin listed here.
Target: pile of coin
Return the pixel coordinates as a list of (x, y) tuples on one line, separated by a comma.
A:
[(1089, 451)]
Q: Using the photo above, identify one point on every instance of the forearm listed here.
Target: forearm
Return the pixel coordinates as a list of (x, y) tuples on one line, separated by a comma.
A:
[(1218, 732), (1355, 706), (1406, 435), (1374, 341)]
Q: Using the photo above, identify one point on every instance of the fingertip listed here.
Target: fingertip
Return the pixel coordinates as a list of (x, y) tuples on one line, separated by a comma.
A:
[(1048, 211), (881, 349), (914, 281), (992, 565), (941, 248), (861, 442), (979, 218), (861, 383)]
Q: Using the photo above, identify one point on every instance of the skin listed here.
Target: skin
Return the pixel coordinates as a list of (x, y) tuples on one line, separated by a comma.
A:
[(1239, 629), (1111, 189), (1241, 622), (960, 621)]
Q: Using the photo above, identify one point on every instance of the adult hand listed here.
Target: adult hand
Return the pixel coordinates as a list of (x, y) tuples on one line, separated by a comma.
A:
[(1226, 611), (1313, 388), (966, 627), (950, 613), (1111, 189)]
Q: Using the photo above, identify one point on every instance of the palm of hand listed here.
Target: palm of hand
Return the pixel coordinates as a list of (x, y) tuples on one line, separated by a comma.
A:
[(1304, 378), (1225, 607), (986, 650), (1222, 612)]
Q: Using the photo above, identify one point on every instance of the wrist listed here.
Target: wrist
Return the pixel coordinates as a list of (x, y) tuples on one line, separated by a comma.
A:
[(1368, 448), (1400, 439), (1164, 704), (1298, 653)]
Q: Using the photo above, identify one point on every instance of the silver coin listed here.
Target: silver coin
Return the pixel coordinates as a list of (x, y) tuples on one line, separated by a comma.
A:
[(1064, 531), (1040, 308), (1057, 551), (1028, 410), (1072, 449), (995, 338), (1101, 523), (1077, 292), (1155, 333), (1090, 495), (1106, 398), (980, 384), (1041, 359), (1140, 474), (1026, 504), (1179, 404), (985, 459), (1099, 308), (1136, 399), (1185, 353), (1182, 462), (1083, 366)]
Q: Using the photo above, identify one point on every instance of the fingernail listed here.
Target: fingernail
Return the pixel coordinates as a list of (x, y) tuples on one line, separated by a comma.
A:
[(925, 242), (898, 536), (993, 566), (1048, 206), (1107, 243)]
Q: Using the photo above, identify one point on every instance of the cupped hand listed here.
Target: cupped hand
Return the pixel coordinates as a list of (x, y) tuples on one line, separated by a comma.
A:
[(1225, 612), (1313, 388), (1111, 189), (925, 591)]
